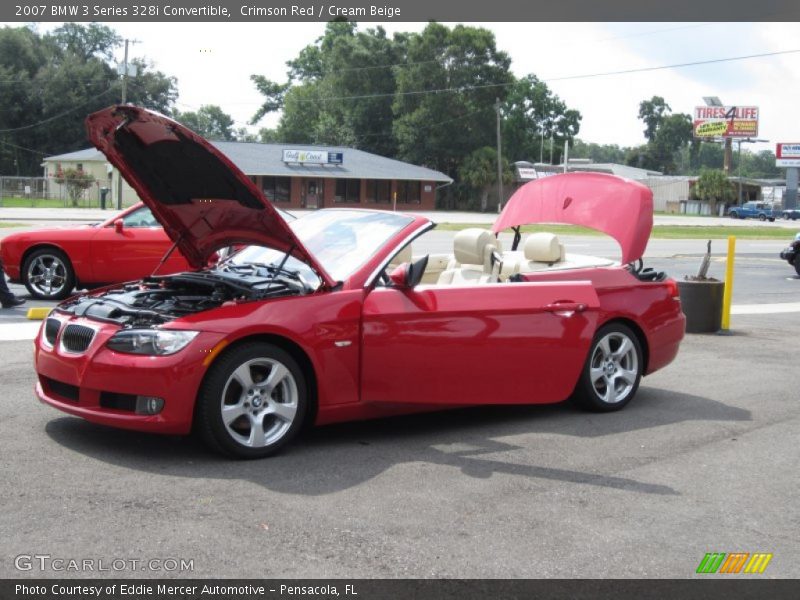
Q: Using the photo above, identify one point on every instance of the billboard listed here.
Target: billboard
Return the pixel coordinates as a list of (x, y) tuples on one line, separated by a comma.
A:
[(725, 121), (787, 155)]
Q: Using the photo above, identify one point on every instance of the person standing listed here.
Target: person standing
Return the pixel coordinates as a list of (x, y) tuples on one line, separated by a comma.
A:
[(7, 297)]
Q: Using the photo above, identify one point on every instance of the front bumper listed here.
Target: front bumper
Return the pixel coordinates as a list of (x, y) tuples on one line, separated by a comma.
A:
[(789, 254), (101, 385)]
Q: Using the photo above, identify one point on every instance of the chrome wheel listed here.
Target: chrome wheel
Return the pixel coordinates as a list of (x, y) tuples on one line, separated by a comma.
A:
[(614, 368), (259, 402), (612, 371), (48, 274)]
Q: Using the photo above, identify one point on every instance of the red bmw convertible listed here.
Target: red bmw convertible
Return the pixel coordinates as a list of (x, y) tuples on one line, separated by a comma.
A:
[(330, 318)]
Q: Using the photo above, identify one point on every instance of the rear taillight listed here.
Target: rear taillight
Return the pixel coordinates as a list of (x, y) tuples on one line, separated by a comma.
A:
[(672, 286)]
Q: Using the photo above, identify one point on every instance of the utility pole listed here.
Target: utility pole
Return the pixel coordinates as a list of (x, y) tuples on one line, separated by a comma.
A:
[(499, 158), (125, 74), (123, 101), (739, 168)]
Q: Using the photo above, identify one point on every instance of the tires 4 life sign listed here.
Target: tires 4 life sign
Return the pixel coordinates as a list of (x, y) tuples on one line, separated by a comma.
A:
[(787, 155), (725, 121)]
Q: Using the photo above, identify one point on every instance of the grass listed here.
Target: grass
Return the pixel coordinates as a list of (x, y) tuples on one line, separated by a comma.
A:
[(41, 203), (8, 225), (699, 232)]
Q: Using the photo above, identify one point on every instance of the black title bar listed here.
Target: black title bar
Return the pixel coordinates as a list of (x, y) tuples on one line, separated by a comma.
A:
[(397, 10)]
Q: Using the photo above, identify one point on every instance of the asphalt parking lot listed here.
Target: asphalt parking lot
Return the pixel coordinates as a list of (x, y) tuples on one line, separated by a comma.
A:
[(704, 460)]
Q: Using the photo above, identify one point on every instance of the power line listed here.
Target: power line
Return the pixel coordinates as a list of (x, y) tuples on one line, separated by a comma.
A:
[(31, 150), (565, 78), (675, 66), (58, 116)]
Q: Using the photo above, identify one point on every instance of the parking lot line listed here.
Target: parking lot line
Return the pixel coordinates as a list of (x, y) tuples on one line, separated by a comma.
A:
[(765, 309), (13, 332)]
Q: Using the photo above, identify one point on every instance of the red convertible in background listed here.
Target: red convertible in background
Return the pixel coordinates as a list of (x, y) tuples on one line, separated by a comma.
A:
[(330, 318), (52, 262)]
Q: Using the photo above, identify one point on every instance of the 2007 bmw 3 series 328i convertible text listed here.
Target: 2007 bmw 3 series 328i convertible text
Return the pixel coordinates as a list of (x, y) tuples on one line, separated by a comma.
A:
[(330, 317)]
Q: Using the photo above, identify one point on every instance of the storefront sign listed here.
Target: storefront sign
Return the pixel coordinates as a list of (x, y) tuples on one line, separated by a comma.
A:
[(787, 155), (527, 173), (317, 157), (725, 121)]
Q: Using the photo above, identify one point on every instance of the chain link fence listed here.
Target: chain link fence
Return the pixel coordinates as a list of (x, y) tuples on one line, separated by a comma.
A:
[(43, 192)]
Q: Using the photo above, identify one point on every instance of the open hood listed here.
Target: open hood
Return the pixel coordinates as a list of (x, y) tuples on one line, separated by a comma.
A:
[(203, 201), (618, 207)]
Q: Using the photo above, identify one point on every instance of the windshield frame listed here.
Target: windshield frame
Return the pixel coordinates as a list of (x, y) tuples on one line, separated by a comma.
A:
[(332, 219)]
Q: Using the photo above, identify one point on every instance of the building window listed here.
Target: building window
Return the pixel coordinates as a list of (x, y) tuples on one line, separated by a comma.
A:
[(408, 192), (276, 189), (348, 191), (379, 191)]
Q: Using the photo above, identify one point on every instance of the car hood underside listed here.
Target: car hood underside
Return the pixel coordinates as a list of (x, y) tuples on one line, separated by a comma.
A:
[(200, 197)]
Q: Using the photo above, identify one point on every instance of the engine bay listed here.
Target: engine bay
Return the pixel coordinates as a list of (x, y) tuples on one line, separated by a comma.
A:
[(159, 299)]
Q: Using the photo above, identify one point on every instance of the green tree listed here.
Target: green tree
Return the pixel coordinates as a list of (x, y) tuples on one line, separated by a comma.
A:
[(599, 153), (76, 181), (444, 106), (210, 121), (666, 135), (340, 90), (531, 115), (87, 41), (653, 112), (51, 82), (151, 88), (479, 172), (713, 186)]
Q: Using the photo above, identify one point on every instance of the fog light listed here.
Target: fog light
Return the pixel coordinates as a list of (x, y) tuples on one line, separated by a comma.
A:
[(148, 405)]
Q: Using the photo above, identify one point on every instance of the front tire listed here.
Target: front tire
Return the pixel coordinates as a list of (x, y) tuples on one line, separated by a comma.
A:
[(612, 372), (253, 401), (48, 274)]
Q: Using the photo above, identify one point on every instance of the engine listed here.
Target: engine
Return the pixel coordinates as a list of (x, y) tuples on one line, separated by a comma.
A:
[(157, 300)]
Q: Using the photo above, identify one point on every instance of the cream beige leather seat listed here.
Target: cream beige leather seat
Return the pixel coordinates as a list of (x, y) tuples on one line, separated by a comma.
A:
[(473, 250), (541, 250)]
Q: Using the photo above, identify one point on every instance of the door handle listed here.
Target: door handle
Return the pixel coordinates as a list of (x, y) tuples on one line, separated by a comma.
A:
[(566, 306)]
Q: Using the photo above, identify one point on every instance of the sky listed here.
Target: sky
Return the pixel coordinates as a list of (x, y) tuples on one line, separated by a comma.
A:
[(213, 63)]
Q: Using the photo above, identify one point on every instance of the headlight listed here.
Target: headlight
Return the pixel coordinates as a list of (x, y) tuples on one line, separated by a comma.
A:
[(151, 342)]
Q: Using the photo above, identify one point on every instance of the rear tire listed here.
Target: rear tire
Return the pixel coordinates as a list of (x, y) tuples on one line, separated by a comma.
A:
[(253, 401), (612, 372)]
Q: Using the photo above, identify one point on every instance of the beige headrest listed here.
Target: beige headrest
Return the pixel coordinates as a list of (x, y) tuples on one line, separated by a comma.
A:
[(542, 247), (404, 256), (473, 246)]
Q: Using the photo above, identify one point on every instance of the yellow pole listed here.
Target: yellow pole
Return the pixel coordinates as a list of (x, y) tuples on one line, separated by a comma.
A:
[(726, 298)]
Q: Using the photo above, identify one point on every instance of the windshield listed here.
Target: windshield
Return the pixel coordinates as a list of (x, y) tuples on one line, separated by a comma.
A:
[(341, 240)]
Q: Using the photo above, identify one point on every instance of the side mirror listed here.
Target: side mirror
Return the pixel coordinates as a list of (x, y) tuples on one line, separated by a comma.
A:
[(118, 225), (399, 276), (408, 275)]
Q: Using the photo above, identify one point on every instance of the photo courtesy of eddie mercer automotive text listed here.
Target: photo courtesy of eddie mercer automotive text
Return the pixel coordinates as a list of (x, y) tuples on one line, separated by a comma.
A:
[(332, 317)]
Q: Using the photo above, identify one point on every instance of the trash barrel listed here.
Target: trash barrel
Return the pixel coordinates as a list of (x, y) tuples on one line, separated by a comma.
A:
[(103, 193)]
